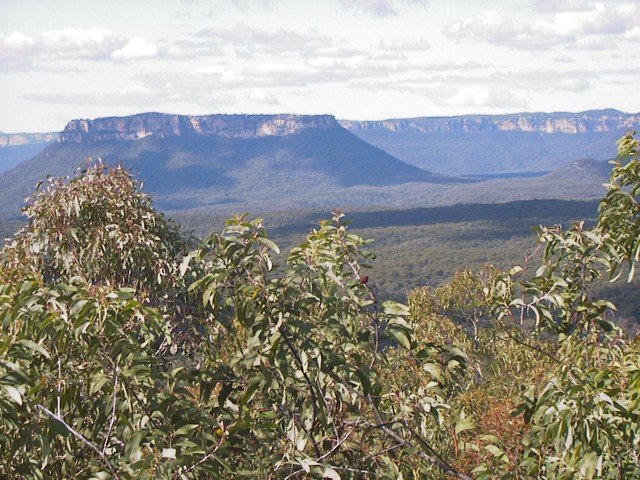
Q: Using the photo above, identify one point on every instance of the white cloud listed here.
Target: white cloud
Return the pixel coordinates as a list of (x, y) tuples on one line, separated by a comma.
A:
[(142, 96), (554, 6), (562, 27), (260, 95), (19, 51), (633, 34), (475, 96), (17, 40), (564, 59), (470, 96), (491, 27), (404, 44), (593, 44), (248, 41), (90, 43), (600, 19), (136, 48), (381, 8), (245, 5), (464, 97), (487, 87)]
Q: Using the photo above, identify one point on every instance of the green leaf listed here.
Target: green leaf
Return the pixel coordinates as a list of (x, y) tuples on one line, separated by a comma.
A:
[(13, 393), (401, 336), (35, 347), (395, 308), (464, 424), (330, 473)]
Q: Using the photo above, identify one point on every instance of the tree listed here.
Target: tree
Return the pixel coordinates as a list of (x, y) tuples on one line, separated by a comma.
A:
[(109, 368), (120, 357), (584, 417)]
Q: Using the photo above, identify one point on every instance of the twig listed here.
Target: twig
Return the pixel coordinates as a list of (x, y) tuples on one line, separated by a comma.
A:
[(113, 410), (58, 410), (81, 437), (385, 450), (339, 442), (314, 399), (532, 347), (206, 457), (434, 458)]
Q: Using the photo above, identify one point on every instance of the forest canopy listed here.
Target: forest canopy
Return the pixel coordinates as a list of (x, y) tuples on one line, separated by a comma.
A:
[(129, 350)]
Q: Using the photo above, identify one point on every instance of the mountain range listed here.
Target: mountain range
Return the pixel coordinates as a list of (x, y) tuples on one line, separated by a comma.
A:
[(258, 163), (221, 161), (18, 147), (490, 144)]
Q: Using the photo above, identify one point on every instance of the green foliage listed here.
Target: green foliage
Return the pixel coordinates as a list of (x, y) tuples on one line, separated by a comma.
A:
[(97, 226), (463, 299), (500, 364), (620, 210), (109, 369), (310, 371), (87, 393), (583, 419), (120, 358)]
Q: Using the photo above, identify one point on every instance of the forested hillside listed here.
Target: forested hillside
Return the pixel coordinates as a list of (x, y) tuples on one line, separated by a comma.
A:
[(129, 350), (481, 144), (230, 162)]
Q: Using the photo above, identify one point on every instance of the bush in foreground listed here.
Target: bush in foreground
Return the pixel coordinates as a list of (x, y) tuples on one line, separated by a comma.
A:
[(121, 357)]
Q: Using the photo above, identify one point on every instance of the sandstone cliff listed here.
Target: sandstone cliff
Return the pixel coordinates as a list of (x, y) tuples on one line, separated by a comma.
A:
[(593, 121), (165, 125), (19, 139)]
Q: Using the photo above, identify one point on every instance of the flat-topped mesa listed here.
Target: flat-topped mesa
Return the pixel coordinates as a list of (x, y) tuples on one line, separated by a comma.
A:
[(572, 123), (18, 139), (165, 125)]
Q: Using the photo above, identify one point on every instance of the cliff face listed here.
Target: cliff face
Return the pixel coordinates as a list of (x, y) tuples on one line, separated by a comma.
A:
[(19, 139), (573, 123), (164, 125)]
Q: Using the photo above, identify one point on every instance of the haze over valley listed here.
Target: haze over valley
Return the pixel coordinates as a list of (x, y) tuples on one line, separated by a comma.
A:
[(235, 163), (302, 239)]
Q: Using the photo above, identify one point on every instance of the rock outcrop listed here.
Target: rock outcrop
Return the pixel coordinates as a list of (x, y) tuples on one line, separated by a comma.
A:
[(19, 139), (571, 123), (165, 125)]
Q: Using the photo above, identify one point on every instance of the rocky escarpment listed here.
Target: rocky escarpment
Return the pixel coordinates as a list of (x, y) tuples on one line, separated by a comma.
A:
[(19, 139), (165, 125), (593, 121)]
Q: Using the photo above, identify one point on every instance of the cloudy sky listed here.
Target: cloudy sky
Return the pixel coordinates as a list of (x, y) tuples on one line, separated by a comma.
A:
[(357, 59)]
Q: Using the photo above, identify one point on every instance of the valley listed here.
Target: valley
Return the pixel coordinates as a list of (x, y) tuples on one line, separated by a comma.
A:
[(482, 144), (296, 240), (233, 163), (293, 170)]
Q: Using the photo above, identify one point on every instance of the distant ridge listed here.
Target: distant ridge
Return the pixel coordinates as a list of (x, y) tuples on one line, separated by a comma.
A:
[(488, 144), (226, 162), (19, 139), (167, 125), (18, 147), (557, 122), (260, 163)]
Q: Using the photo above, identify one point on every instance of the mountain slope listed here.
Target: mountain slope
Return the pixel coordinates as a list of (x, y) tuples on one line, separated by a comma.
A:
[(482, 144), (223, 161), (11, 156), (18, 147)]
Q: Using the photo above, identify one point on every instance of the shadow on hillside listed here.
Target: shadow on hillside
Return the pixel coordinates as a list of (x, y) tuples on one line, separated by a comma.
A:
[(529, 212)]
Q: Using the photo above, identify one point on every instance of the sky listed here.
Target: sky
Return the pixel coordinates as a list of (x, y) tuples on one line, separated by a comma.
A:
[(355, 59)]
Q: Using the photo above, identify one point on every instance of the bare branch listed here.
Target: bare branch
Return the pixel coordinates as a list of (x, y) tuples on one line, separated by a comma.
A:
[(434, 458), (113, 410), (83, 439)]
